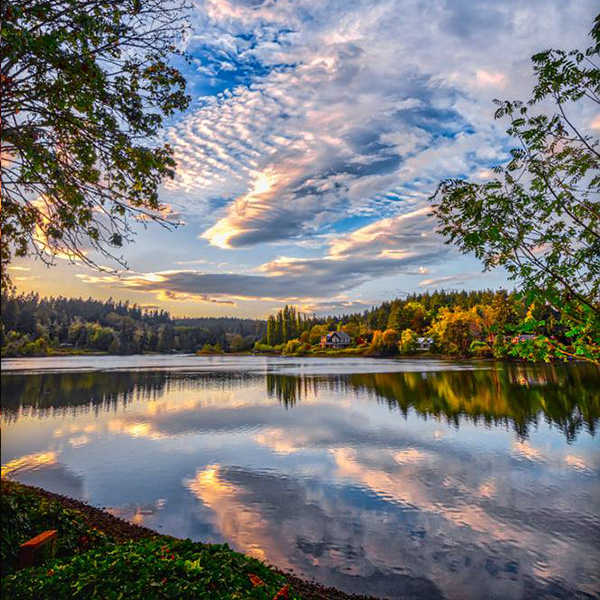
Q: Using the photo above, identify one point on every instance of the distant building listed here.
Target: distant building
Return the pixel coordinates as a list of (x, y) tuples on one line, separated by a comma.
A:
[(523, 337), (424, 344), (336, 339)]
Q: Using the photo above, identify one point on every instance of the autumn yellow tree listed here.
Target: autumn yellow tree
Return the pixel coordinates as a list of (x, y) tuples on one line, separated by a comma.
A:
[(456, 328)]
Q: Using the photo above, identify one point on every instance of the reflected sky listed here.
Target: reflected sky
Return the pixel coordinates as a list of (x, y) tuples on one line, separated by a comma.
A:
[(430, 480)]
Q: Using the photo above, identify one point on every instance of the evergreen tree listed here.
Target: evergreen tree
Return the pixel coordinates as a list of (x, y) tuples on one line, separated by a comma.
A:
[(26, 323)]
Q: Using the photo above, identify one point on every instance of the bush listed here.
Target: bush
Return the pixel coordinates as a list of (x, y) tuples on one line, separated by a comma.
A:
[(339, 351), (238, 343), (206, 349), (376, 345), (22, 345), (101, 337), (25, 514), (534, 350), (297, 348), (480, 349), (16, 344), (40, 347), (258, 347), (384, 343), (499, 347), (146, 570), (390, 340), (408, 342), (91, 565), (455, 329), (316, 333), (303, 350), (291, 347)]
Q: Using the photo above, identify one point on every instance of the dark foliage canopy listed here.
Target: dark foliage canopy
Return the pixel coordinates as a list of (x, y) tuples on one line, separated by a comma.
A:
[(86, 86), (111, 326)]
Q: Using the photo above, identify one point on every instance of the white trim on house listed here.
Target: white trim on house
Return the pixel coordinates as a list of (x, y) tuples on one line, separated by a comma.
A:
[(424, 344)]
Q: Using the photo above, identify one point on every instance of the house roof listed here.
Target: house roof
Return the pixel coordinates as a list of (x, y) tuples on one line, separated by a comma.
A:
[(341, 335)]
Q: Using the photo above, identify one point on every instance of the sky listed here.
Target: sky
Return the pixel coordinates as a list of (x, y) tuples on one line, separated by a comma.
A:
[(317, 133)]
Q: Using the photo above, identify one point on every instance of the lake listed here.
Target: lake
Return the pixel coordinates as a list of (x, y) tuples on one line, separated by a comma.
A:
[(396, 478)]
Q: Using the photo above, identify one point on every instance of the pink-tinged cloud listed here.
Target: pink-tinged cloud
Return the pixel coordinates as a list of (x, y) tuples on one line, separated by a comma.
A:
[(401, 245)]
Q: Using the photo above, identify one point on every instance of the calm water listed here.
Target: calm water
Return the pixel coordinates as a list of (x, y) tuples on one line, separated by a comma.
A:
[(411, 479)]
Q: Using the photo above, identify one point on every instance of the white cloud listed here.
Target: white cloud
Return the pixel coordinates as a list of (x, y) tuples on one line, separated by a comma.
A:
[(354, 107), (399, 245), (448, 280), (487, 79)]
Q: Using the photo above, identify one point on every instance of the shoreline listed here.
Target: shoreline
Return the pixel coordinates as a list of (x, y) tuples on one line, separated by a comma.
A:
[(123, 531), (397, 357)]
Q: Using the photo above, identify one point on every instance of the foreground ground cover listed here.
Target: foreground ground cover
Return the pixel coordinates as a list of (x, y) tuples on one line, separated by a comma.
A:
[(101, 556)]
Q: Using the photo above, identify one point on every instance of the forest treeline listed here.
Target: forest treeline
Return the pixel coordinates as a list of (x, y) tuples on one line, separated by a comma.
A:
[(35, 326), (467, 323)]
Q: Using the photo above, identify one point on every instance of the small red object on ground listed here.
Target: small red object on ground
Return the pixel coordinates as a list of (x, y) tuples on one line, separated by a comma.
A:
[(283, 593), (256, 580), (28, 549)]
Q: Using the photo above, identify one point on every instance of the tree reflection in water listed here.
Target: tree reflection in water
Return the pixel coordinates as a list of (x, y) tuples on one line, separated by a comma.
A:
[(565, 396)]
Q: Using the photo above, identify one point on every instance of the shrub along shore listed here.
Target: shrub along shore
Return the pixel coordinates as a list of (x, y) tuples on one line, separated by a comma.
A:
[(99, 555)]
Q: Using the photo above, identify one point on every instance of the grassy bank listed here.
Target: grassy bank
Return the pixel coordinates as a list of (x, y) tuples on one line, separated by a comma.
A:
[(101, 556)]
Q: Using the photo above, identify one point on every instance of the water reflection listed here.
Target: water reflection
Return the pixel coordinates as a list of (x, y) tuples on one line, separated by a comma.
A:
[(43, 393), (50, 392), (463, 483), (518, 395), (566, 396)]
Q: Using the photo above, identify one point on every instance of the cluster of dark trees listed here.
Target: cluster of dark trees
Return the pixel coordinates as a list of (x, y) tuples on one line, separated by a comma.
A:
[(31, 325)]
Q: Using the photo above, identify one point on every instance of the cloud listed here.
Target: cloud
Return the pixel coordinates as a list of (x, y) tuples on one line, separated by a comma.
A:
[(197, 261), (168, 294), (446, 280), (486, 79), (317, 134), (346, 110), (212, 287), (405, 244), (336, 307), (402, 236)]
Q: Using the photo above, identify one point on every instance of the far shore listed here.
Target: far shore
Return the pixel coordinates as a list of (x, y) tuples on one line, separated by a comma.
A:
[(68, 352)]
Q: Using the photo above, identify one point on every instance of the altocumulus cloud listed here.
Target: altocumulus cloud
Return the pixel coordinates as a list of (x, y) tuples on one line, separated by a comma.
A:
[(353, 109)]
